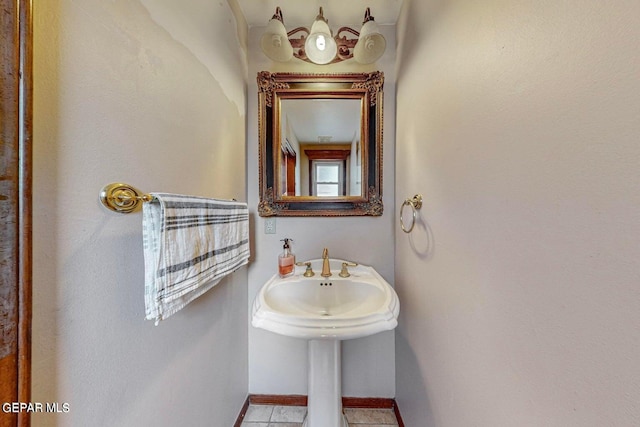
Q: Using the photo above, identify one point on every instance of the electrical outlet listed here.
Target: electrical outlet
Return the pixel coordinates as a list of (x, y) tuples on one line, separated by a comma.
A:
[(270, 226)]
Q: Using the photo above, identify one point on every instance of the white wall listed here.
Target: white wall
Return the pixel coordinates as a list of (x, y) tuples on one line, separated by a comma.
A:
[(518, 121), (146, 93), (277, 364)]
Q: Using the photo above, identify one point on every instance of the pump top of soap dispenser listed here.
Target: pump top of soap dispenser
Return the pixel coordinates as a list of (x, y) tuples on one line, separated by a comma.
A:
[(286, 241)]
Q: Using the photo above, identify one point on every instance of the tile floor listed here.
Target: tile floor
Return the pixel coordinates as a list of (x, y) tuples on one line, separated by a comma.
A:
[(293, 416)]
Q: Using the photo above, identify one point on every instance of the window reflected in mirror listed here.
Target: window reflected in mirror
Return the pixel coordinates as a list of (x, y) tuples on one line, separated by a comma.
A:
[(328, 178)]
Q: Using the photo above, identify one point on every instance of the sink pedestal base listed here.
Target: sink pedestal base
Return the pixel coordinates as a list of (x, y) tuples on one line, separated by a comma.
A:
[(324, 406)]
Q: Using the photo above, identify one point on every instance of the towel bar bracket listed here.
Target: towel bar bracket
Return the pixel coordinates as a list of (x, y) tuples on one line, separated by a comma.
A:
[(123, 198)]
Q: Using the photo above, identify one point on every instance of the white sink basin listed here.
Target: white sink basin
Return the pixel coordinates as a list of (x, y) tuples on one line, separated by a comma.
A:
[(327, 308)]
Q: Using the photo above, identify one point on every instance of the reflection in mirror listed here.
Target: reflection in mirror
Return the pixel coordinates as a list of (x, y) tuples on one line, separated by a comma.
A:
[(320, 152), (320, 138)]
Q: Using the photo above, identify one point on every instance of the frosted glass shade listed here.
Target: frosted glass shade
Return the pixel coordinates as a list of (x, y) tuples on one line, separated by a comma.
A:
[(371, 44), (320, 46), (275, 43)]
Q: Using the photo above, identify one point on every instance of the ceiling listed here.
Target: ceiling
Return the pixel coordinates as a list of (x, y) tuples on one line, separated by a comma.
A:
[(340, 13), (313, 118)]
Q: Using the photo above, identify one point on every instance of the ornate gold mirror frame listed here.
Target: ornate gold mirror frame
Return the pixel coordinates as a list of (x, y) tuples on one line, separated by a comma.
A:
[(273, 88)]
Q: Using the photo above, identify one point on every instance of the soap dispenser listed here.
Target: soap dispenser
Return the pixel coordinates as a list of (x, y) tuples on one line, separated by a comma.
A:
[(286, 260)]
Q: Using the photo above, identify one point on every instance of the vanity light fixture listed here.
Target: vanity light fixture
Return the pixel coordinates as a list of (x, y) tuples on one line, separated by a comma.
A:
[(318, 45)]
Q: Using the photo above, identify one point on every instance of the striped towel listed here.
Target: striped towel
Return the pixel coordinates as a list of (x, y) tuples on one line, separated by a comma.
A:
[(190, 243)]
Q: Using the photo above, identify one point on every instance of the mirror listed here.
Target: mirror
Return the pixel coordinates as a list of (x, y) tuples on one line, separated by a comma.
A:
[(320, 144), (320, 147)]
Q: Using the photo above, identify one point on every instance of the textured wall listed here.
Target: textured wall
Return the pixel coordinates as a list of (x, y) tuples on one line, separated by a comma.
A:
[(518, 121), (146, 93)]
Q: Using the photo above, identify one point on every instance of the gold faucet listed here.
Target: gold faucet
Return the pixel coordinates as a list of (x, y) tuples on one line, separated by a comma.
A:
[(326, 268)]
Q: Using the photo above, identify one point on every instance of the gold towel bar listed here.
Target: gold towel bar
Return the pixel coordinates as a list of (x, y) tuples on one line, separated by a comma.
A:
[(123, 198)]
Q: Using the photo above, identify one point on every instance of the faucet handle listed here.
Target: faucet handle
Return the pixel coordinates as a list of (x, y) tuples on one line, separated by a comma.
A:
[(308, 272), (344, 272)]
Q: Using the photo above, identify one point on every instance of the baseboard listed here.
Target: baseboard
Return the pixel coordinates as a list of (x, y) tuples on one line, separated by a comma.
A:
[(301, 400), (243, 412), (278, 399), (396, 411)]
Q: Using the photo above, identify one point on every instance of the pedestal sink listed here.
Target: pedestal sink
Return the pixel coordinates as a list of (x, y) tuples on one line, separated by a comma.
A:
[(326, 310)]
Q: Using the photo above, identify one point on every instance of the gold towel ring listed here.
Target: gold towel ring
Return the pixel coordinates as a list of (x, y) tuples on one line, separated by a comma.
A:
[(415, 203)]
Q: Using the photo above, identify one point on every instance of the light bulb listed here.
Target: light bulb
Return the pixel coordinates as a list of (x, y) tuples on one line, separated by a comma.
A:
[(319, 46), (276, 41), (370, 44)]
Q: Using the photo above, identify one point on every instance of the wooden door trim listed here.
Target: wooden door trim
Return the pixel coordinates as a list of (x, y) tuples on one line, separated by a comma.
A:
[(16, 89), (25, 201)]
